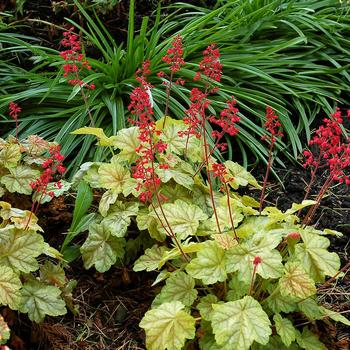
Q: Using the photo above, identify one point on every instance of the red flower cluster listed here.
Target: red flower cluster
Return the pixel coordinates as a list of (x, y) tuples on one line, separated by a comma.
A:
[(331, 148), (141, 107), (174, 55), (227, 122), (210, 64), (51, 167), (14, 110), (196, 113), (272, 125), (294, 235), (257, 260), (76, 61)]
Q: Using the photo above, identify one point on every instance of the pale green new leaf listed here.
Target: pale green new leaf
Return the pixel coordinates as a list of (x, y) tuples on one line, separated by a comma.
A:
[(177, 175), (284, 329), (2, 191), (179, 286), (237, 324), (10, 286), (336, 316), (296, 282), (10, 155), (168, 327), (210, 264), (182, 217), (314, 257), (20, 248), (108, 198), (119, 217), (20, 178), (127, 140), (101, 249), (103, 140), (151, 259), (241, 177), (39, 300), (309, 341), (113, 175)]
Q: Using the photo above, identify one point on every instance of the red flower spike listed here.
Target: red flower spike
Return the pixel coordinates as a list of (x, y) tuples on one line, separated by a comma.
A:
[(272, 126), (210, 64), (76, 62), (294, 235), (14, 110), (257, 260), (174, 55)]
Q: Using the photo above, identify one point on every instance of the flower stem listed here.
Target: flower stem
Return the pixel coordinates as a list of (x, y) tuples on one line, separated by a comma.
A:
[(269, 164)]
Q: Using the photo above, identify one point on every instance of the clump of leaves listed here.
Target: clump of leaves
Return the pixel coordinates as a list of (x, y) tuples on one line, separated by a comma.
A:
[(38, 289), (235, 275)]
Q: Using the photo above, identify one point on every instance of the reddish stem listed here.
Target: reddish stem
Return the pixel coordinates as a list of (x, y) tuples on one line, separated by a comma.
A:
[(329, 281), (252, 280), (320, 195), (269, 163), (229, 210), (168, 89)]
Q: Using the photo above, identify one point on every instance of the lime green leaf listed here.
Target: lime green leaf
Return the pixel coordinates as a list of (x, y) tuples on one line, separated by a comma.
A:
[(336, 316), (241, 177), (10, 286), (113, 175), (237, 324), (223, 214), (108, 198), (311, 309), (279, 303), (237, 288), (39, 300), (182, 217), (296, 282), (24, 219), (101, 248), (2, 191), (240, 258), (177, 175), (209, 265), (103, 140), (284, 329), (151, 259), (119, 218), (179, 286), (298, 206), (52, 274), (205, 306), (170, 135), (314, 257), (127, 140), (168, 327), (4, 332), (20, 249), (20, 178), (309, 341), (162, 275), (10, 155)]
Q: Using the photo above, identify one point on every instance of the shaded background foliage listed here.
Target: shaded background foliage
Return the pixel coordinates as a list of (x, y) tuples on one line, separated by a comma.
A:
[(293, 56)]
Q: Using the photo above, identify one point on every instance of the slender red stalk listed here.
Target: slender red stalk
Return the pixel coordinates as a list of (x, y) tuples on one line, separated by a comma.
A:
[(269, 164), (257, 260)]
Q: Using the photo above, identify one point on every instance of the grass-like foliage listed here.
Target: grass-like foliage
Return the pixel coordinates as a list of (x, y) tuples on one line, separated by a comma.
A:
[(291, 55)]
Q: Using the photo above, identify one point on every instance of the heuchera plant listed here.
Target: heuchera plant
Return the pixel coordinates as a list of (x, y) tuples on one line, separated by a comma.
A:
[(235, 278), (28, 166)]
